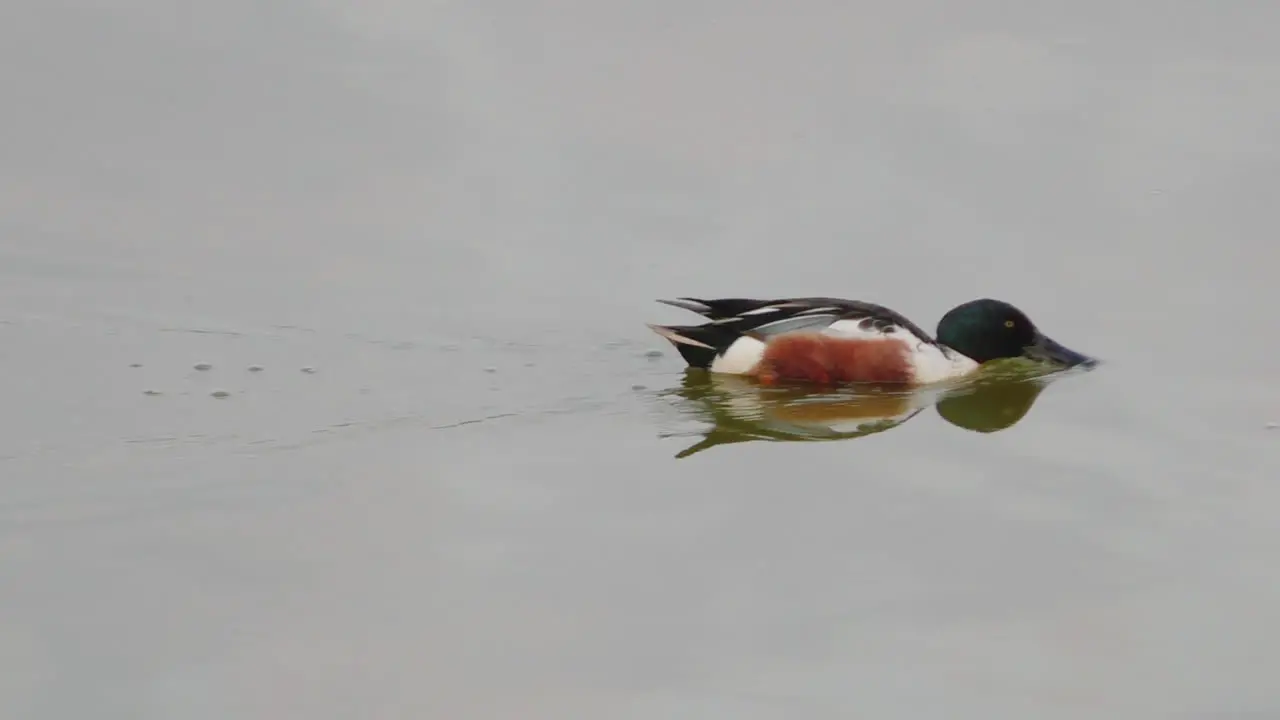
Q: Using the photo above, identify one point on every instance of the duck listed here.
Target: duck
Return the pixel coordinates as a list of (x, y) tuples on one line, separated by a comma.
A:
[(832, 341)]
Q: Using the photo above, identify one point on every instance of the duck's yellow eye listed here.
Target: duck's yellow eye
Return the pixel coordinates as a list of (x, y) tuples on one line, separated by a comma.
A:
[(1008, 323)]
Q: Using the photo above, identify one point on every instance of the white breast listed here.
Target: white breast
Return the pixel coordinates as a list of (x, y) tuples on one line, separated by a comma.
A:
[(933, 364)]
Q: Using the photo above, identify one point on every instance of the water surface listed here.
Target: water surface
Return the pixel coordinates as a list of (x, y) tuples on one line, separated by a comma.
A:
[(457, 215)]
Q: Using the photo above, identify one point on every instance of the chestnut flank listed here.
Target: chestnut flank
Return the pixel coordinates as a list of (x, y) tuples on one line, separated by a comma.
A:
[(823, 359)]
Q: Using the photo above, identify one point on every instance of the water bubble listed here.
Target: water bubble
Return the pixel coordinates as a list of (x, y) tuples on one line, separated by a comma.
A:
[(1272, 425), (491, 370), (255, 368), (653, 354), (309, 370), (220, 394), (637, 387), (203, 366), (152, 392), (135, 365)]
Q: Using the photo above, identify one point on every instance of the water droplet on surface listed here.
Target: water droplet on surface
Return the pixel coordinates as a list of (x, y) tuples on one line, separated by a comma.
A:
[(202, 366), (1272, 425), (220, 394)]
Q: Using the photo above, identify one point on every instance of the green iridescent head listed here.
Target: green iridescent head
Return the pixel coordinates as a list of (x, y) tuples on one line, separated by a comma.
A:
[(987, 330)]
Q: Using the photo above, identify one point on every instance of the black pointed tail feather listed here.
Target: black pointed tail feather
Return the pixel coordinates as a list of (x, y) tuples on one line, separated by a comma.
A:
[(691, 304), (718, 308), (699, 345)]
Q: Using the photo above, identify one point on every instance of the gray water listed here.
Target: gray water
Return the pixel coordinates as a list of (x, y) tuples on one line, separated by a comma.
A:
[(457, 215)]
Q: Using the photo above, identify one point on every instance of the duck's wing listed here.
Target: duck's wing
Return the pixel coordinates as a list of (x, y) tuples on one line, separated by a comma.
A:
[(768, 318)]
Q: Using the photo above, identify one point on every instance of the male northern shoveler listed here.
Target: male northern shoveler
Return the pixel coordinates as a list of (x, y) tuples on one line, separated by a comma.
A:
[(828, 340)]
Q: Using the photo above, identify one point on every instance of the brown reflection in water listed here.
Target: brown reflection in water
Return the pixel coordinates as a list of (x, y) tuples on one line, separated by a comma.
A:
[(740, 410)]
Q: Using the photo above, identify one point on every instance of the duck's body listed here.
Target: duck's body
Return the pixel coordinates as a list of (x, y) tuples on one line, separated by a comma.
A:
[(830, 340)]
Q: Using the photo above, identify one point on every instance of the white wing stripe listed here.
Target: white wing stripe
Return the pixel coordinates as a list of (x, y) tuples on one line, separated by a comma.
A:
[(793, 324)]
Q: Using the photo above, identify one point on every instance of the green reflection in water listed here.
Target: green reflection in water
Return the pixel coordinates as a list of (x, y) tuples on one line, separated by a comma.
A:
[(738, 409)]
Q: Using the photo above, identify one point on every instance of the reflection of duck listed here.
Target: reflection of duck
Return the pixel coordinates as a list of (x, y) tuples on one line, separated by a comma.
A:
[(993, 405), (741, 410), (832, 341)]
